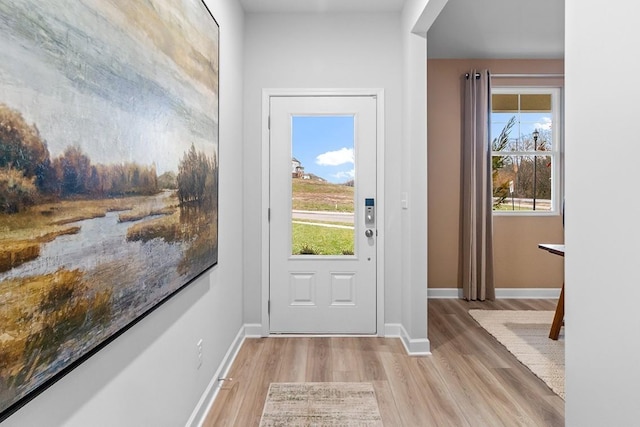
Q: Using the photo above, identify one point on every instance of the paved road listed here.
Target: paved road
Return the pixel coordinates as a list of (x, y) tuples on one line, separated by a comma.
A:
[(323, 216), (527, 204)]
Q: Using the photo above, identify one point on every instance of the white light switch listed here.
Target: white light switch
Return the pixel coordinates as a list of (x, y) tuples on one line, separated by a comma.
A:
[(405, 201)]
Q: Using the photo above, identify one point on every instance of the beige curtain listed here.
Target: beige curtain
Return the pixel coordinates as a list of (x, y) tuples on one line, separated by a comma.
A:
[(476, 205)]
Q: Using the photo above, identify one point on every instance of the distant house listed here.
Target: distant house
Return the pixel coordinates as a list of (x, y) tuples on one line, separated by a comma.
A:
[(297, 170)]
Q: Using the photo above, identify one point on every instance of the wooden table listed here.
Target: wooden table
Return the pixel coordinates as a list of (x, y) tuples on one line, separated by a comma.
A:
[(558, 318)]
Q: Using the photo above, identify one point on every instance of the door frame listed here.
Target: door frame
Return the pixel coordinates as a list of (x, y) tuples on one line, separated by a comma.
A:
[(378, 94)]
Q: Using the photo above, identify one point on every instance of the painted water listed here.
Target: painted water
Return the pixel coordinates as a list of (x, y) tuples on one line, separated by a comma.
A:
[(136, 275), (103, 241)]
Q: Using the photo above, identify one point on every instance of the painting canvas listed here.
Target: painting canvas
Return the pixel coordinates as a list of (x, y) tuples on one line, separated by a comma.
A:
[(108, 174)]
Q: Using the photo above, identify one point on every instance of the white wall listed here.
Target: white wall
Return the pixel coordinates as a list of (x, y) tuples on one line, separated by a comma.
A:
[(602, 232), (414, 181), (343, 51), (321, 50), (148, 376)]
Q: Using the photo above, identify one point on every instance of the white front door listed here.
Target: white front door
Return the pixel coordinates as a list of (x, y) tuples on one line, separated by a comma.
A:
[(323, 214)]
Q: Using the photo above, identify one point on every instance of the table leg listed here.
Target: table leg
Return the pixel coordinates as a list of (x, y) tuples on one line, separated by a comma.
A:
[(558, 318)]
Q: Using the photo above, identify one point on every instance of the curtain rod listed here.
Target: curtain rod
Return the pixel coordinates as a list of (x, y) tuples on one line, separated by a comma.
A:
[(522, 76), (551, 75)]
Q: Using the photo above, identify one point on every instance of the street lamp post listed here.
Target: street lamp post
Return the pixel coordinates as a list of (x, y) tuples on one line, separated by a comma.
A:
[(535, 165)]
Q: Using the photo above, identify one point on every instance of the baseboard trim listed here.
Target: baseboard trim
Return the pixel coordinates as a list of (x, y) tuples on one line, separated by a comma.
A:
[(501, 293), (253, 330), (528, 293), (392, 330), (209, 396), (413, 347), (444, 293)]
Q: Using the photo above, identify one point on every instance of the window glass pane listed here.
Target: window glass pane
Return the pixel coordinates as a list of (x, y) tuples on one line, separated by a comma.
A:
[(522, 183), (496, 128), (498, 123), (504, 134), (504, 103), (542, 122), (523, 123), (323, 178), (535, 102)]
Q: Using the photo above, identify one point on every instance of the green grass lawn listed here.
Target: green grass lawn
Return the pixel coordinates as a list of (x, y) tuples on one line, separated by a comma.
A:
[(322, 240), (507, 207)]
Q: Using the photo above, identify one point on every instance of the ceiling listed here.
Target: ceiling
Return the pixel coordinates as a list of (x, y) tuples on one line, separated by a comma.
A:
[(498, 29), (464, 28), (283, 6)]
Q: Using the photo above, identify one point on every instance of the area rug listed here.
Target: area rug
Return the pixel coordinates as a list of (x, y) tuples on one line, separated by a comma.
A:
[(321, 404), (525, 333)]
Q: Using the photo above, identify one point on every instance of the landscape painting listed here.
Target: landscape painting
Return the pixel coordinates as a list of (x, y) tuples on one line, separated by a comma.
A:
[(108, 174)]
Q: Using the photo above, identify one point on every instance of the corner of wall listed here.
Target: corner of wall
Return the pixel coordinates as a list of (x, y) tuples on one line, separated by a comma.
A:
[(414, 181), (207, 399), (413, 346)]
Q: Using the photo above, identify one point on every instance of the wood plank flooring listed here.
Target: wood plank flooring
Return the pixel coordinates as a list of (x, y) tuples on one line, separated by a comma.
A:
[(469, 380)]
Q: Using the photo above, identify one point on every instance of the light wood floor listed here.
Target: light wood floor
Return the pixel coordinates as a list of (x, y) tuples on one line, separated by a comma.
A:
[(470, 379)]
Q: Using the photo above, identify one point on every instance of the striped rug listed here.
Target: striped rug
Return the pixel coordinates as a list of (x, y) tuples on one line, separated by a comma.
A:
[(525, 333), (320, 405)]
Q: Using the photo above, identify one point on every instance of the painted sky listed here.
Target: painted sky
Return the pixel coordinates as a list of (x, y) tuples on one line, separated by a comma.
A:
[(125, 81), (325, 146)]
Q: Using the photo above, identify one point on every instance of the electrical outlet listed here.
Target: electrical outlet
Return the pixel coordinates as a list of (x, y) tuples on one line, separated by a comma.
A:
[(199, 350)]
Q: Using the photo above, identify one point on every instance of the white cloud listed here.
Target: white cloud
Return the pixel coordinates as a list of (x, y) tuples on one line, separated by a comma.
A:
[(345, 175), (545, 125), (336, 158)]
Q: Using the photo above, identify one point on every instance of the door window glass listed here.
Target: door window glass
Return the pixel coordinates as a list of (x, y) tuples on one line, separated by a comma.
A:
[(322, 185)]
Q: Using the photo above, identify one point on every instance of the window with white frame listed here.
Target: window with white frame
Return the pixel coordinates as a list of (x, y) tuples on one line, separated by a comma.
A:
[(526, 139)]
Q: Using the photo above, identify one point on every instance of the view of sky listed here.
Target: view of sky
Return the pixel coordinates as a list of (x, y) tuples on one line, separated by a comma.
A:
[(526, 123), (325, 146)]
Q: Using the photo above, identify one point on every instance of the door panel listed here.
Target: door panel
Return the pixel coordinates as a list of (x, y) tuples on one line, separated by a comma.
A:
[(322, 174)]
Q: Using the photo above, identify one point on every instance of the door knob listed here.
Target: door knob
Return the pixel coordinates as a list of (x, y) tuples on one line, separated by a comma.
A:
[(368, 232)]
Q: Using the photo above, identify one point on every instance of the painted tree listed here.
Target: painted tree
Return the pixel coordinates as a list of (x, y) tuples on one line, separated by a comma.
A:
[(168, 180), (196, 177), (76, 169), (16, 190), (21, 146), (23, 149)]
